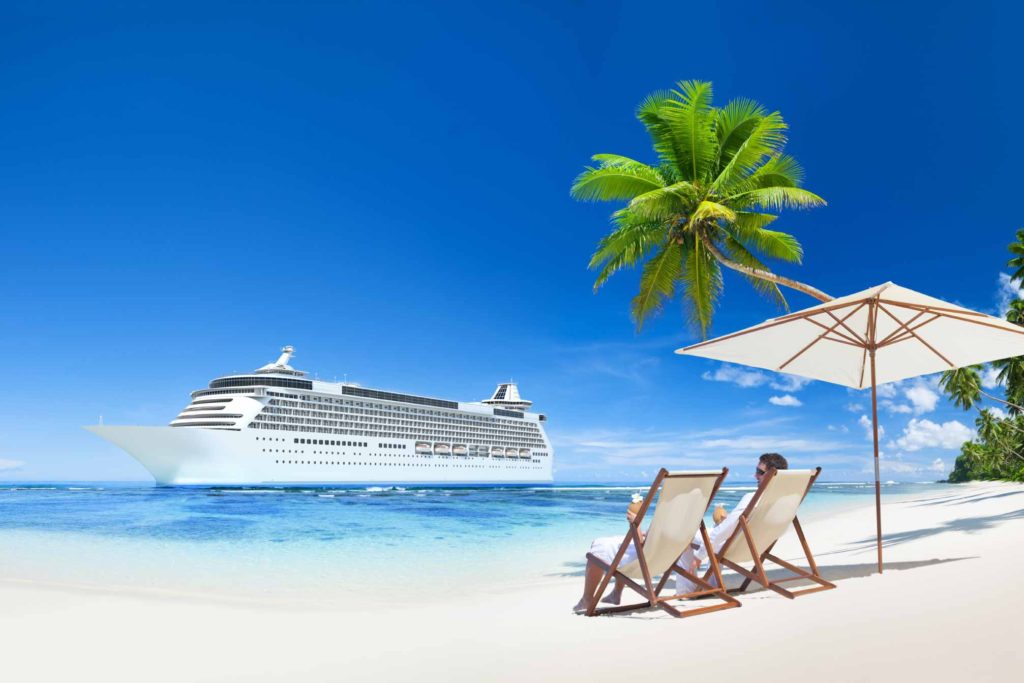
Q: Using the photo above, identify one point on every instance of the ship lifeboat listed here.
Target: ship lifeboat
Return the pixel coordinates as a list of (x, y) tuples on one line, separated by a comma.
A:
[(524, 452), (422, 448), (442, 449), (497, 452), (459, 449)]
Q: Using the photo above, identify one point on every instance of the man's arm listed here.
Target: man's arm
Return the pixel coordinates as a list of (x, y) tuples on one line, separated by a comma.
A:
[(721, 532)]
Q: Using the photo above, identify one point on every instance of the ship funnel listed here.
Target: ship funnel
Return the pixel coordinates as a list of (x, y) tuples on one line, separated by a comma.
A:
[(281, 366), (507, 396)]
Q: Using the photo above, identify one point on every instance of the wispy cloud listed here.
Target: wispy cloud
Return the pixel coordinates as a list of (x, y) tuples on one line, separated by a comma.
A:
[(8, 465), (741, 377), (787, 400), (748, 378)]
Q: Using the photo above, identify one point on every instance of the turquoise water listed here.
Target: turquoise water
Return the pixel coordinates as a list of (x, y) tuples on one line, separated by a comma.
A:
[(319, 543)]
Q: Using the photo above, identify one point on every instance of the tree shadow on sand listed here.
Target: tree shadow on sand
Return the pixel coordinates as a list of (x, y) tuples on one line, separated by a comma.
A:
[(960, 500)]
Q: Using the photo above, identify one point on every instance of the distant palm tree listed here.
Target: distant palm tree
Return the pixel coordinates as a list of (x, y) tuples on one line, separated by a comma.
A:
[(1017, 262), (720, 179)]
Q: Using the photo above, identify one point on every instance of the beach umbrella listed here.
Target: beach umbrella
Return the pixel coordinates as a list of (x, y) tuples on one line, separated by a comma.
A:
[(880, 335)]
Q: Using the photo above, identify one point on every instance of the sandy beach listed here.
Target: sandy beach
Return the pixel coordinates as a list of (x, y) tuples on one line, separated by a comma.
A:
[(946, 609)]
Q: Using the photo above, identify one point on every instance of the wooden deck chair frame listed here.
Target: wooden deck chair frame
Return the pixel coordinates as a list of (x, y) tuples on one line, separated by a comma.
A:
[(650, 590), (758, 573)]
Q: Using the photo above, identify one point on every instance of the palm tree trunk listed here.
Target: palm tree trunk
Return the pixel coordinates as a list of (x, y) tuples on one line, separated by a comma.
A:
[(1016, 407), (764, 274)]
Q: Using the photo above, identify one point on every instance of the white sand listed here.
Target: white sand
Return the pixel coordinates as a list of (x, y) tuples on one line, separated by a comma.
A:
[(946, 609)]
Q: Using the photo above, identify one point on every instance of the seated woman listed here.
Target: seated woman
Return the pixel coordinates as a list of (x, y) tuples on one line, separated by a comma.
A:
[(605, 549)]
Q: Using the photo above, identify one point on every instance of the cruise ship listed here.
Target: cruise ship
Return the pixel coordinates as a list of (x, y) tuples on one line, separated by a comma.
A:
[(276, 426)]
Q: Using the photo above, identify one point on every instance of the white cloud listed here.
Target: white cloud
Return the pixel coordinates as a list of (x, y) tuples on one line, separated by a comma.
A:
[(896, 465), (6, 465), (787, 400), (854, 407), (865, 422), (920, 434), (790, 383), (998, 413), (896, 408), (738, 376), (842, 429), (888, 390), (1007, 292), (989, 379), (923, 398)]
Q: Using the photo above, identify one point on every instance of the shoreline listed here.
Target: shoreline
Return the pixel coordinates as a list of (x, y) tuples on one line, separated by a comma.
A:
[(949, 557)]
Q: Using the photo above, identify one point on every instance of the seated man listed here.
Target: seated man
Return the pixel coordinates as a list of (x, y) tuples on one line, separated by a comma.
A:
[(692, 558), (697, 553)]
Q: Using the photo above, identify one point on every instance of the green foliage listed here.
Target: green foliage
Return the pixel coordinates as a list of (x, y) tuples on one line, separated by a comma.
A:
[(997, 451), (721, 177)]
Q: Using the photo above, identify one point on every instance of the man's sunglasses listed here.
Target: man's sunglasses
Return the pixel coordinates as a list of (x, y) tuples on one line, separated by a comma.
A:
[(759, 472)]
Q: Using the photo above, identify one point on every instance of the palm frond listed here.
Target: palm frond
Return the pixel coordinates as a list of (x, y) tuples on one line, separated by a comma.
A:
[(690, 118), (766, 288), (765, 140), (708, 210), (779, 171), (776, 198), (750, 220), (665, 202), (733, 123), (702, 280), (658, 283), (619, 179), (770, 243), (626, 246), (652, 114), (1017, 262)]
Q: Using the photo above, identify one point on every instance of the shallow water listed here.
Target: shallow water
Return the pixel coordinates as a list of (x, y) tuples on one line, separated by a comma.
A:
[(317, 544)]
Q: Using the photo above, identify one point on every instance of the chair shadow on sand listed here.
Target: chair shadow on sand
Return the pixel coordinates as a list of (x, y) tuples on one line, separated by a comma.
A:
[(833, 573)]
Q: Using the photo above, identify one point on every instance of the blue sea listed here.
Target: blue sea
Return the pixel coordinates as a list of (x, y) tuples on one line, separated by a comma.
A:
[(319, 544)]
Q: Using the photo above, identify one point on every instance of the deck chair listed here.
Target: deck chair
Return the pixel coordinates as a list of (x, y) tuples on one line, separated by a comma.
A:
[(683, 499), (762, 524)]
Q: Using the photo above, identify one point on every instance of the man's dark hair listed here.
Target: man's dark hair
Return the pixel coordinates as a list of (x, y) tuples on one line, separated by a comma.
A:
[(774, 461)]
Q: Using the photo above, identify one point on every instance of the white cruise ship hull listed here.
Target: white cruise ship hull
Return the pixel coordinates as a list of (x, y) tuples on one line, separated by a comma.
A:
[(176, 456)]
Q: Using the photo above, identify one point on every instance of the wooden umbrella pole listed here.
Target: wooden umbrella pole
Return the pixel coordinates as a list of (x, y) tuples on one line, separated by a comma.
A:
[(878, 485)]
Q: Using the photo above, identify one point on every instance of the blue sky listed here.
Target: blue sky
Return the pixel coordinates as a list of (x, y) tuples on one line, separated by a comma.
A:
[(385, 187)]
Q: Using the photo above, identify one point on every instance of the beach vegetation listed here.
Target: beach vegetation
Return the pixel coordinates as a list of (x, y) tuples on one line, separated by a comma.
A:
[(997, 450), (720, 179)]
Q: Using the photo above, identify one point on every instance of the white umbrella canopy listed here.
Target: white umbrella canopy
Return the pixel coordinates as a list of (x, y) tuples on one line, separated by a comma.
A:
[(880, 335)]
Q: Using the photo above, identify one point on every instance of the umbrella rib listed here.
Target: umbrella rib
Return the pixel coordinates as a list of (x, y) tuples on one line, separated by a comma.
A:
[(985, 324), (916, 336), (856, 337), (931, 309), (898, 331), (853, 341), (756, 328), (815, 311), (863, 362), (819, 338), (903, 335)]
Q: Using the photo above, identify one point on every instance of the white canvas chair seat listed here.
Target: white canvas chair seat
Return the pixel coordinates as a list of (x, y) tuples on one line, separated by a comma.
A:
[(683, 499), (769, 515)]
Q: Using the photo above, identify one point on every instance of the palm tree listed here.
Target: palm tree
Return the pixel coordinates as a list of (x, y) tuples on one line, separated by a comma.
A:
[(1017, 262), (720, 179)]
